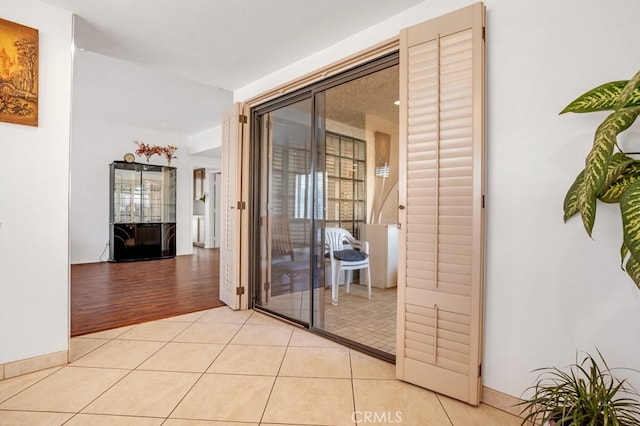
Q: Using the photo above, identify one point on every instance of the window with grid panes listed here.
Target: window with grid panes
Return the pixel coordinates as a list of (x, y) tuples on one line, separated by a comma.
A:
[(346, 183)]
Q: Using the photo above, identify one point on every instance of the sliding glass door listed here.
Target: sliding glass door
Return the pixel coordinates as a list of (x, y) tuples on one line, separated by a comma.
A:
[(326, 158), (286, 191)]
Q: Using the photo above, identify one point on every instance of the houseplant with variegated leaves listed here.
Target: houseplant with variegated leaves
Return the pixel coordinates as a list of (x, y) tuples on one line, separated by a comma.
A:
[(610, 175)]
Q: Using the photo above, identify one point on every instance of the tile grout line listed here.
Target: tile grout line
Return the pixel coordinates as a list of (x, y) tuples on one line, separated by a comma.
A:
[(104, 343), (210, 364), (443, 409), (103, 392), (31, 385), (275, 379), (353, 387), (59, 369), (130, 370), (109, 415), (119, 380)]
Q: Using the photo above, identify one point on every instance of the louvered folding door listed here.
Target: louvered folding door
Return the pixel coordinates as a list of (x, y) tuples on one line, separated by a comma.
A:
[(229, 213), (441, 197)]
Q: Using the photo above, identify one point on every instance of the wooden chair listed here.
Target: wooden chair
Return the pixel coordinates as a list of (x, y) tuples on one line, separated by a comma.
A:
[(283, 258)]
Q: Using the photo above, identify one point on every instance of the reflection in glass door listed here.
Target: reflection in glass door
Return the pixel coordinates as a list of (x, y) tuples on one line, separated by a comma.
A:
[(286, 206), (360, 134)]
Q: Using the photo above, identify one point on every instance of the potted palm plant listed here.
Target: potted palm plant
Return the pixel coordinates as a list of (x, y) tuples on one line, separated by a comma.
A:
[(584, 394)]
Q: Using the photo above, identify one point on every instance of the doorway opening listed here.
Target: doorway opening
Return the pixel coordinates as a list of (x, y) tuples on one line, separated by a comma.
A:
[(325, 163), (205, 224)]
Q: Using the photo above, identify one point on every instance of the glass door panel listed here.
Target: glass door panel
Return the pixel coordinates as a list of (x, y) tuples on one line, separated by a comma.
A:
[(126, 196), (151, 194), (286, 206), (169, 194), (360, 159)]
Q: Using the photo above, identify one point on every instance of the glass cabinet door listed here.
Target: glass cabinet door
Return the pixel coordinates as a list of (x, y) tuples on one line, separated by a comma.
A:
[(126, 196), (168, 210), (151, 195)]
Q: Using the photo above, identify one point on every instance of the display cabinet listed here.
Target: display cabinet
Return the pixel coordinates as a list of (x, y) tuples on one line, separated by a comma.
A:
[(346, 183), (142, 212)]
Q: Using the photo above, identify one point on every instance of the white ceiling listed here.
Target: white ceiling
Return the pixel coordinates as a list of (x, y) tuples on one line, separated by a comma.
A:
[(185, 51)]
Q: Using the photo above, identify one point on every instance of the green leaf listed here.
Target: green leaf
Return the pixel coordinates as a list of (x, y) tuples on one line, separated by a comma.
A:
[(633, 269), (627, 92), (617, 166), (613, 192), (624, 251), (571, 199), (630, 210), (598, 160), (602, 98)]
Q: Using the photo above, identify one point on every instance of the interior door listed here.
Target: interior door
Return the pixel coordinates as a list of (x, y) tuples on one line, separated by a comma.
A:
[(441, 204), (215, 207), (231, 288)]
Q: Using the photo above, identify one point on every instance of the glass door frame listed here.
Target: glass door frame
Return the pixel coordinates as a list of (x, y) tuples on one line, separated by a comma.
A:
[(315, 92), (254, 213)]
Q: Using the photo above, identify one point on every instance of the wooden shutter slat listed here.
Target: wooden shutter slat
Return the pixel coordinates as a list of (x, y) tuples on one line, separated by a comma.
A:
[(423, 354), (444, 316), (451, 258), (456, 344), (423, 328), (453, 350), (424, 324)]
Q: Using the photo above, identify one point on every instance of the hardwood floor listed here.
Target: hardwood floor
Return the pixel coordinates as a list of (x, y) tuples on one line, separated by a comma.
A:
[(109, 295)]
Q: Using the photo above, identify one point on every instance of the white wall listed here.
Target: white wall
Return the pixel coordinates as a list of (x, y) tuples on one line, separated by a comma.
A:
[(94, 146), (206, 140), (381, 195), (34, 260), (550, 290)]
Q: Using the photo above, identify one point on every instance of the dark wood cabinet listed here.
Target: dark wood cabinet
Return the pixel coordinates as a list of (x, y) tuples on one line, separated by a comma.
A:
[(142, 218)]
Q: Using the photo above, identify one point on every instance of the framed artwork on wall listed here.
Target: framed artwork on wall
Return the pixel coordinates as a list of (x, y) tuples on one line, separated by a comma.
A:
[(19, 64)]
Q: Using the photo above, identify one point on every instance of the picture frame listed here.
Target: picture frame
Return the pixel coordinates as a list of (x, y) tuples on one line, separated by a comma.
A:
[(19, 72)]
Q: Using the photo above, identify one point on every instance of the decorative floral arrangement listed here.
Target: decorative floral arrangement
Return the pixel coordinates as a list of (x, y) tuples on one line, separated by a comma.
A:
[(149, 151), (169, 152)]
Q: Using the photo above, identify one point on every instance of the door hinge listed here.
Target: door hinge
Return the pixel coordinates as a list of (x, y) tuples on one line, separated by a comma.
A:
[(480, 370), (484, 33), (483, 201), (242, 205), (267, 286), (239, 291), (242, 119)]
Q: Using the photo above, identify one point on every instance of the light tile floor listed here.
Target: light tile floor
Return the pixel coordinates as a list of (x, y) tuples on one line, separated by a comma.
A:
[(221, 367), (371, 322)]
